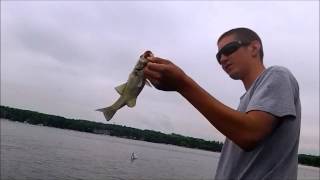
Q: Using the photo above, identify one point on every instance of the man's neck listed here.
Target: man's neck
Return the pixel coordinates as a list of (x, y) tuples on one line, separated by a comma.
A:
[(252, 75)]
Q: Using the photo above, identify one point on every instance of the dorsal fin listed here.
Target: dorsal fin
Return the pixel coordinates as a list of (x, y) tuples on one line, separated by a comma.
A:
[(121, 88)]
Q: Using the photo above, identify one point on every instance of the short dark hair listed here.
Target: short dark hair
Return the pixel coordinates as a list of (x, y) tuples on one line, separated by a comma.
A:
[(244, 35)]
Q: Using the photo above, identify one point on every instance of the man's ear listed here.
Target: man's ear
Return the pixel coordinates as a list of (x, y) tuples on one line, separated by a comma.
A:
[(255, 48)]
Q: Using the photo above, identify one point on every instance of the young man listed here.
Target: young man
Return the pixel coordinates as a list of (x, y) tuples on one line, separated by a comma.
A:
[(262, 135)]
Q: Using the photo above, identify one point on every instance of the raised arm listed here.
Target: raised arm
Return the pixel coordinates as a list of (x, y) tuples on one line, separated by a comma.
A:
[(244, 129)]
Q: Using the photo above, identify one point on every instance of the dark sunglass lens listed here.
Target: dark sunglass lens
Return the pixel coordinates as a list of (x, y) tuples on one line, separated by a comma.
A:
[(230, 49), (227, 50)]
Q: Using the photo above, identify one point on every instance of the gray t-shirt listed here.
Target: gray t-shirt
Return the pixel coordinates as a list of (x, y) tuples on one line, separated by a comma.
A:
[(275, 91)]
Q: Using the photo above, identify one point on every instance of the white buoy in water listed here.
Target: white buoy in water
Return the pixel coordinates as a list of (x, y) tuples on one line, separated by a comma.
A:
[(133, 156)]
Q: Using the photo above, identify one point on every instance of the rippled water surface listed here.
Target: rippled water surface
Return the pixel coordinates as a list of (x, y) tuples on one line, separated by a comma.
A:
[(38, 152)]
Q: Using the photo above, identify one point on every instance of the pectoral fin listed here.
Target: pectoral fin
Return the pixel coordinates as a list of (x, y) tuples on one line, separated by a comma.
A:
[(132, 102), (121, 88)]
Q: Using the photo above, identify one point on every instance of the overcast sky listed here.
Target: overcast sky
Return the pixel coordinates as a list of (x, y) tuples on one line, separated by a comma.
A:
[(66, 57)]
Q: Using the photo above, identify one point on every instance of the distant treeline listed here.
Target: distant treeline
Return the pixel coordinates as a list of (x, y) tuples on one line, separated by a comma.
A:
[(37, 118), (309, 160)]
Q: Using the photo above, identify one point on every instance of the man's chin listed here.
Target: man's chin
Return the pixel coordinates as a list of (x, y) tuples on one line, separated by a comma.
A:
[(234, 76)]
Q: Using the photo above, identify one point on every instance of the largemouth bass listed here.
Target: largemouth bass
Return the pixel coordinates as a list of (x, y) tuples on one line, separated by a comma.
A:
[(130, 90)]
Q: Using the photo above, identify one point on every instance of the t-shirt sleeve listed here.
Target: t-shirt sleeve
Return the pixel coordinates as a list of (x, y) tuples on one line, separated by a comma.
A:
[(275, 94)]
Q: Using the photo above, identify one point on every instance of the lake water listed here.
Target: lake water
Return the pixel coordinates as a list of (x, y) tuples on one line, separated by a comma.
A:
[(38, 152)]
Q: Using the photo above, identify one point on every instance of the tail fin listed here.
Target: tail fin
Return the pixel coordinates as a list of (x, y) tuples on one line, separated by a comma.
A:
[(108, 112)]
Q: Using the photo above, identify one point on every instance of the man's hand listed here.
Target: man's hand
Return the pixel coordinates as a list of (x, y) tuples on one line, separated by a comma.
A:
[(164, 75)]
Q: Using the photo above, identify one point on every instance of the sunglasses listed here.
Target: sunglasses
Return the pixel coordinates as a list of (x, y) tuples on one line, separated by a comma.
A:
[(229, 49)]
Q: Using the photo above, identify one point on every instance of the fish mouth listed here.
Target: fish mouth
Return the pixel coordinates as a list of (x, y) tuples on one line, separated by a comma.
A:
[(147, 54)]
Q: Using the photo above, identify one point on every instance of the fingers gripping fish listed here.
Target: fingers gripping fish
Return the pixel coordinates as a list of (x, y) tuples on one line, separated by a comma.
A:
[(130, 90)]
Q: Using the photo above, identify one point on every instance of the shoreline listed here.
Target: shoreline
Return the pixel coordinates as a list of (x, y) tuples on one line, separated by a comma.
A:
[(304, 166)]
